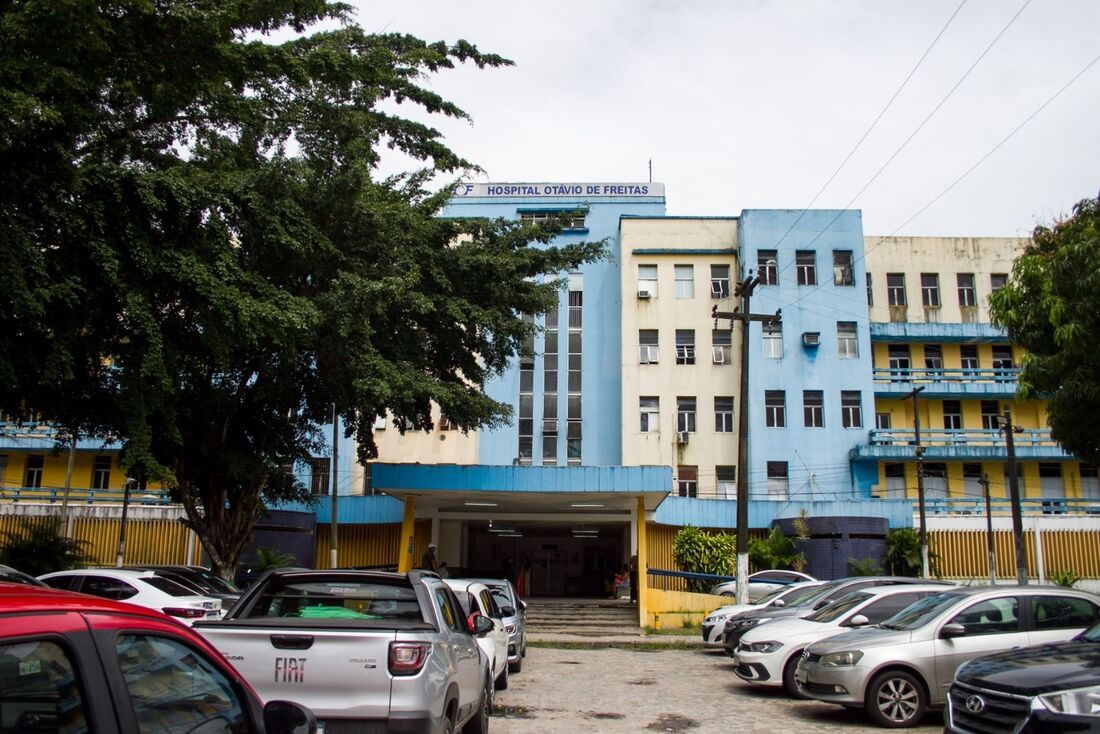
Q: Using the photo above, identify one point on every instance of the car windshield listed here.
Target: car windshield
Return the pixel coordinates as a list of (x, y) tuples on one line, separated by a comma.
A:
[(168, 586), (840, 607), (794, 597), (343, 598), (215, 581), (816, 593), (1092, 634), (920, 613)]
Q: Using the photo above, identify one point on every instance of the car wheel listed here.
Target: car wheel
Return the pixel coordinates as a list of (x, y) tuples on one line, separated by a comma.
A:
[(727, 593), (789, 684), (501, 683), (479, 723), (448, 724), (895, 699), (516, 666)]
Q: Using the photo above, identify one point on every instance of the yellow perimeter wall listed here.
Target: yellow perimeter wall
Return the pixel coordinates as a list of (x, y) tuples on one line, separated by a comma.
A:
[(147, 541)]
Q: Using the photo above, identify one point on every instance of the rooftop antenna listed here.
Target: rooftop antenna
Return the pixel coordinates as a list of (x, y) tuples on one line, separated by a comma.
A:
[(651, 170)]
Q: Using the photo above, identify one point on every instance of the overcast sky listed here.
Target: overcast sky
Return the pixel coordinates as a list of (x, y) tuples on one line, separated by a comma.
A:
[(755, 104)]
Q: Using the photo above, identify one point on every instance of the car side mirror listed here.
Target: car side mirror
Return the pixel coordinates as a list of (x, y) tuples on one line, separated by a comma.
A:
[(478, 624), (822, 603), (287, 717), (952, 630), (858, 621), (522, 605), (507, 611), (779, 603)]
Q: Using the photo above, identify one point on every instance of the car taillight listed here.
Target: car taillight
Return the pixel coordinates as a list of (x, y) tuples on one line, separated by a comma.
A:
[(407, 658), (185, 612)]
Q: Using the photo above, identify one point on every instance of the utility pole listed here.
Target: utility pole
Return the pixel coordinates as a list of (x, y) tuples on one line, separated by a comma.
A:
[(919, 451), (984, 481), (335, 474), (122, 525), (1014, 498), (744, 290)]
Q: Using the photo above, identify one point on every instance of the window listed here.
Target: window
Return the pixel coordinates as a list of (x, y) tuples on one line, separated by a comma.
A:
[(991, 415), (687, 481), (685, 346), (842, 268), (930, 290), (719, 281), (952, 415), (775, 408), (995, 616), (805, 264), (650, 408), (766, 267), (935, 480), (576, 306), (685, 281), (895, 289), (777, 480), (851, 408), (720, 340), (38, 679), (895, 481), (570, 220), (550, 364), (1002, 362), (647, 280), (723, 414), (1062, 612), (320, 468), (965, 283), (1090, 481), (726, 478), (968, 356), (972, 480), (772, 345), (846, 345), (101, 472), (106, 587), (647, 340), (685, 414), (813, 408), (998, 281), (870, 292), (32, 473), (933, 360), (884, 421), (898, 356), (525, 447)]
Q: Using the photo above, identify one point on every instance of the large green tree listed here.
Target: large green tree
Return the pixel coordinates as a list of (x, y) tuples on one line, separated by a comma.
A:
[(1051, 307), (201, 258)]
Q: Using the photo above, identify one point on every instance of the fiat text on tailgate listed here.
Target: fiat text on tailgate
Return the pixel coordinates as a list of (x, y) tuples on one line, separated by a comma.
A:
[(365, 650)]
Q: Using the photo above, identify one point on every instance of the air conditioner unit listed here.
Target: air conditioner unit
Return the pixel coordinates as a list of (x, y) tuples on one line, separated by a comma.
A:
[(682, 437), (644, 293), (811, 339), (719, 355)]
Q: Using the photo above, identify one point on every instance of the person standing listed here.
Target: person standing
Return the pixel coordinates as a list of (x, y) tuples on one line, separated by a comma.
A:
[(428, 562)]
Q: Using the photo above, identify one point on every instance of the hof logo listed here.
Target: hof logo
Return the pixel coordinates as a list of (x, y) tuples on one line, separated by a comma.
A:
[(463, 189), (975, 704)]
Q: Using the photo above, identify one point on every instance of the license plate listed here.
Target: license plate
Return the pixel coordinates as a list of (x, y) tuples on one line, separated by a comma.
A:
[(212, 614)]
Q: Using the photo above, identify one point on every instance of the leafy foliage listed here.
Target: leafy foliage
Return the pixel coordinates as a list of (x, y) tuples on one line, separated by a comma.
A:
[(267, 559), (201, 259), (696, 551), (864, 567), (1051, 308), (1067, 578), (903, 557), (775, 551), (40, 547)]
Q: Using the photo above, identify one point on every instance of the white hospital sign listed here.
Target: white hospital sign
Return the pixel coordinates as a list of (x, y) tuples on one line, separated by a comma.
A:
[(573, 190)]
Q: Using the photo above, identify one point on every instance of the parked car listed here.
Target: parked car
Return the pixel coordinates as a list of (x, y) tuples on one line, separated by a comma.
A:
[(768, 653), (202, 579), (762, 583), (714, 624), (143, 588), (1041, 688), (76, 663), (14, 576), (897, 670), (514, 611), (365, 650), (739, 624), (476, 598)]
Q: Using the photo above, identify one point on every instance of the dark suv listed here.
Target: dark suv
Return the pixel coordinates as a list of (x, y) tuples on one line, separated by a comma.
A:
[(1042, 688)]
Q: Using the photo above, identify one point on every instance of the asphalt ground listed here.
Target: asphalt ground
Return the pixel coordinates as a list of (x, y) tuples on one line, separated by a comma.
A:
[(564, 690)]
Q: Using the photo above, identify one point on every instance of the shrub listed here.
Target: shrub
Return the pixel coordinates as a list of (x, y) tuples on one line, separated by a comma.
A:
[(864, 567), (697, 552), (40, 547), (1066, 578), (775, 551)]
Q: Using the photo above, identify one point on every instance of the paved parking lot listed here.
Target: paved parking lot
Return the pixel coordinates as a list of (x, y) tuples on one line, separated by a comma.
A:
[(614, 690)]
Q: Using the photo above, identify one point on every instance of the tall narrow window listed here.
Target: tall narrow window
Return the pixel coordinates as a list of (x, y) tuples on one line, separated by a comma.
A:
[(952, 415), (842, 268), (766, 267), (972, 480), (990, 415), (930, 289), (775, 408), (772, 346), (870, 292), (32, 472), (884, 421), (935, 481), (723, 414), (685, 281), (720, 340), (685, 346), (726, 479), (320, 469), (933, 361), (847, 346), (968, 356), (965, 283), (1002, 362), (851, 408), (895, 481), (647, 281), (778, 482), (719, 281), (813, 408), (647, 341), (805, 264), (101, 472), (576, 309), (895, 289), (526, 413), (573, 425), (550, 388), (898, 355), (687, 481), (650, 409), (685, 414)]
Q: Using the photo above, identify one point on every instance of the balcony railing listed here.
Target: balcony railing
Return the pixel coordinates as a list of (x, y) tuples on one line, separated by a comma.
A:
[(985, 437), (1000, 506), (52, 495), (926, 376)]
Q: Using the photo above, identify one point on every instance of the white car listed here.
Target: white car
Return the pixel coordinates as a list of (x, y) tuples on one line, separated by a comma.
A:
[(762, 583), (768, 654), (476, 598), (144, 588), (714, 624)]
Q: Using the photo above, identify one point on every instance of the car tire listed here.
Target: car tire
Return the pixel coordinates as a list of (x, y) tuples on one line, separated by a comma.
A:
[(516, 666), (479, 722), (448, 724), (501, 683), (789, 684), (895, 699), (727, 593)]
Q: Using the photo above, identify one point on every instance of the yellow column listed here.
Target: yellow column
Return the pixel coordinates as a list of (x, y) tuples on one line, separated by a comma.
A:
[(643, 564), (405, 559)]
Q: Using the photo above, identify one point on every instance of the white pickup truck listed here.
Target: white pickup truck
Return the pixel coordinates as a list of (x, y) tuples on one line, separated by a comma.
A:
[(367, 651)]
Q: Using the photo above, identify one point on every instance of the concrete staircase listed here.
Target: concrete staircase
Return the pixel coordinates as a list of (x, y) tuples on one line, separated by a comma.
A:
[(581, 619)]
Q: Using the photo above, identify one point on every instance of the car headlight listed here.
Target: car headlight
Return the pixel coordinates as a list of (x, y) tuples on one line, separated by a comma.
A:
[(1080, 701), (765, 646), (716, 618), (841, 659)]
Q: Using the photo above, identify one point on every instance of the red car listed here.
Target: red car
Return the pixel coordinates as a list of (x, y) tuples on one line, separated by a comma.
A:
[(80, 664)]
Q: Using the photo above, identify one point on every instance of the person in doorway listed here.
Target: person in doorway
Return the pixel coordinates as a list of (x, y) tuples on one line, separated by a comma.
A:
[(634, 578), (523, 583), (507, 570), (428, 562)]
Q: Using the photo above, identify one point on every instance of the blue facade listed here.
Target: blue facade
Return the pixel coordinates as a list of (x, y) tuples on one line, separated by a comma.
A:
[(816, 457)]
